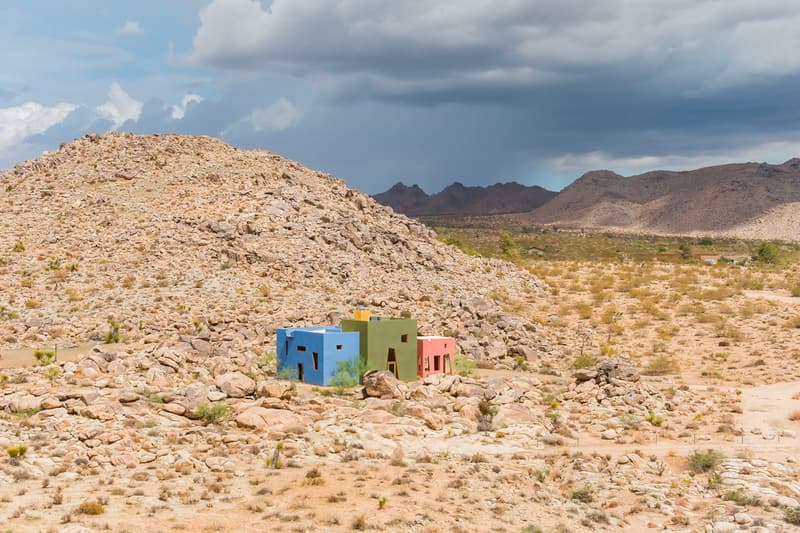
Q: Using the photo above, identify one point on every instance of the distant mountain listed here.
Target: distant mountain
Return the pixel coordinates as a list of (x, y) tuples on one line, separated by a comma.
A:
[(748, 200), (458, 199)]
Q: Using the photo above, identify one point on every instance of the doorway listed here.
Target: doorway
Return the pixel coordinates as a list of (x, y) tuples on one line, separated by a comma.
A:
[(391, 362), (300, 375)]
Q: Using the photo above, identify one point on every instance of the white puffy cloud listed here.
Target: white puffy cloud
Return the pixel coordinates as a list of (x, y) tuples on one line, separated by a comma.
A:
[(692, 46), (131, 27), (280, 115), (120, 107), (20, 122), (179, 111), (769, 151)]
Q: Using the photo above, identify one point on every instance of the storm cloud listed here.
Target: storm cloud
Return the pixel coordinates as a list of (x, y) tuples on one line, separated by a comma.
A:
[(469, 90)]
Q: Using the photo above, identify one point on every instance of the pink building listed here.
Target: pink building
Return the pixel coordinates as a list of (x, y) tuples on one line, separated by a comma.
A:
[(435, 355)]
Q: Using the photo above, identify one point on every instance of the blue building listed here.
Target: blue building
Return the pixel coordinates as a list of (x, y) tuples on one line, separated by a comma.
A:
[(311, 355)]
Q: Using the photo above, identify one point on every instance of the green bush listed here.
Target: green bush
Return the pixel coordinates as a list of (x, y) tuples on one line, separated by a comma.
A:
[(661, 365), (582, 494), (17, 452), (465, 366), (768, 252), (113, 336), (704, 461), (654, 419), (214, 414), (740, 497), (348, 373), (44, 357), (508, 248), (583, 361)]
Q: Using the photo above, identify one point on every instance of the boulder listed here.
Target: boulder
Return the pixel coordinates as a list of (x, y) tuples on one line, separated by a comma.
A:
[(235, 384), (382, 384), (262, 418), (274, 389)]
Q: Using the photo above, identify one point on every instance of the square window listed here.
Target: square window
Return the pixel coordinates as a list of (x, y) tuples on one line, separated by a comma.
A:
[(301, 348), (338, 346), (404, 337)]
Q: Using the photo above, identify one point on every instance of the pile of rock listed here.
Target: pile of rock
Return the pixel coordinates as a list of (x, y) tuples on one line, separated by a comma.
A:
[(612, 383)]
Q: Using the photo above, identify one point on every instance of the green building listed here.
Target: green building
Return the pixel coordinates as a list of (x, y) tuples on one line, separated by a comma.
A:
[(386, 343)]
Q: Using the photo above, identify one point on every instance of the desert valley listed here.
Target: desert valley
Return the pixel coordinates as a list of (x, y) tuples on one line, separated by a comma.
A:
[(605, 382)]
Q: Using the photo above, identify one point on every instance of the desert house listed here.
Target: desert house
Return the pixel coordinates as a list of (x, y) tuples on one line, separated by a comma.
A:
[(386, 343), (435, 355), (312, 354)]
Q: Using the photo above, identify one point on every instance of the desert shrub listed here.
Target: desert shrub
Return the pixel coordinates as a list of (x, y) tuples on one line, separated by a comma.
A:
[(508, 248), (582, 494), (19, 246), (17, 452), (740, 497), (767, 252), (313, 477), (704, 461), (654, 419), (44, 357), (486, 414), (113, 335), (359, 523), (348, 373), (584, 361), (792, 515), (465, 366), (214, 414), (661, 365), (91, 507)]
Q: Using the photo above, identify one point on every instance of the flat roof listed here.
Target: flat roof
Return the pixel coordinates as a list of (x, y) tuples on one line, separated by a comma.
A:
[(431, 337)]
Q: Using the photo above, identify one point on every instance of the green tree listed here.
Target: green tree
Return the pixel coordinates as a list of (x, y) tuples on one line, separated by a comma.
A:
[(507, 246), (768, 252), (348, 373)]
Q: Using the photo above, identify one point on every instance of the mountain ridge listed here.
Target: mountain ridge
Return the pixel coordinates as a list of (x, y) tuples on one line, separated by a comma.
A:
[(747, 200), (460, 199)]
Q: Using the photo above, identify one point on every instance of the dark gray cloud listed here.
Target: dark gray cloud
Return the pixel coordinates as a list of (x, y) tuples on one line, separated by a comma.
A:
[(476, 91)]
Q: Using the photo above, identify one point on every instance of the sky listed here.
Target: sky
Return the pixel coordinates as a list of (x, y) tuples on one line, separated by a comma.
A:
[(419, 91)]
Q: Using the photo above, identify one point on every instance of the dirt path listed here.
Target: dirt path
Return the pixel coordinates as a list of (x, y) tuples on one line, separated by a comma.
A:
[(783, 297), (24, 356)]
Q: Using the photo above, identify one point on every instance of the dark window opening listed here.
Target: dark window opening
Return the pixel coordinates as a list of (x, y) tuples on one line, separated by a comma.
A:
[(338, 346), (404, 337), (301, 348), (286, 351), (315, 360), (437, 363), (300, 375), (391, 362)]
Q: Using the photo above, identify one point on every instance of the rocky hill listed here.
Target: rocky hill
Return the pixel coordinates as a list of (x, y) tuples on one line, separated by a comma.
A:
[(170, 234), (749, 200), (457, 199)]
